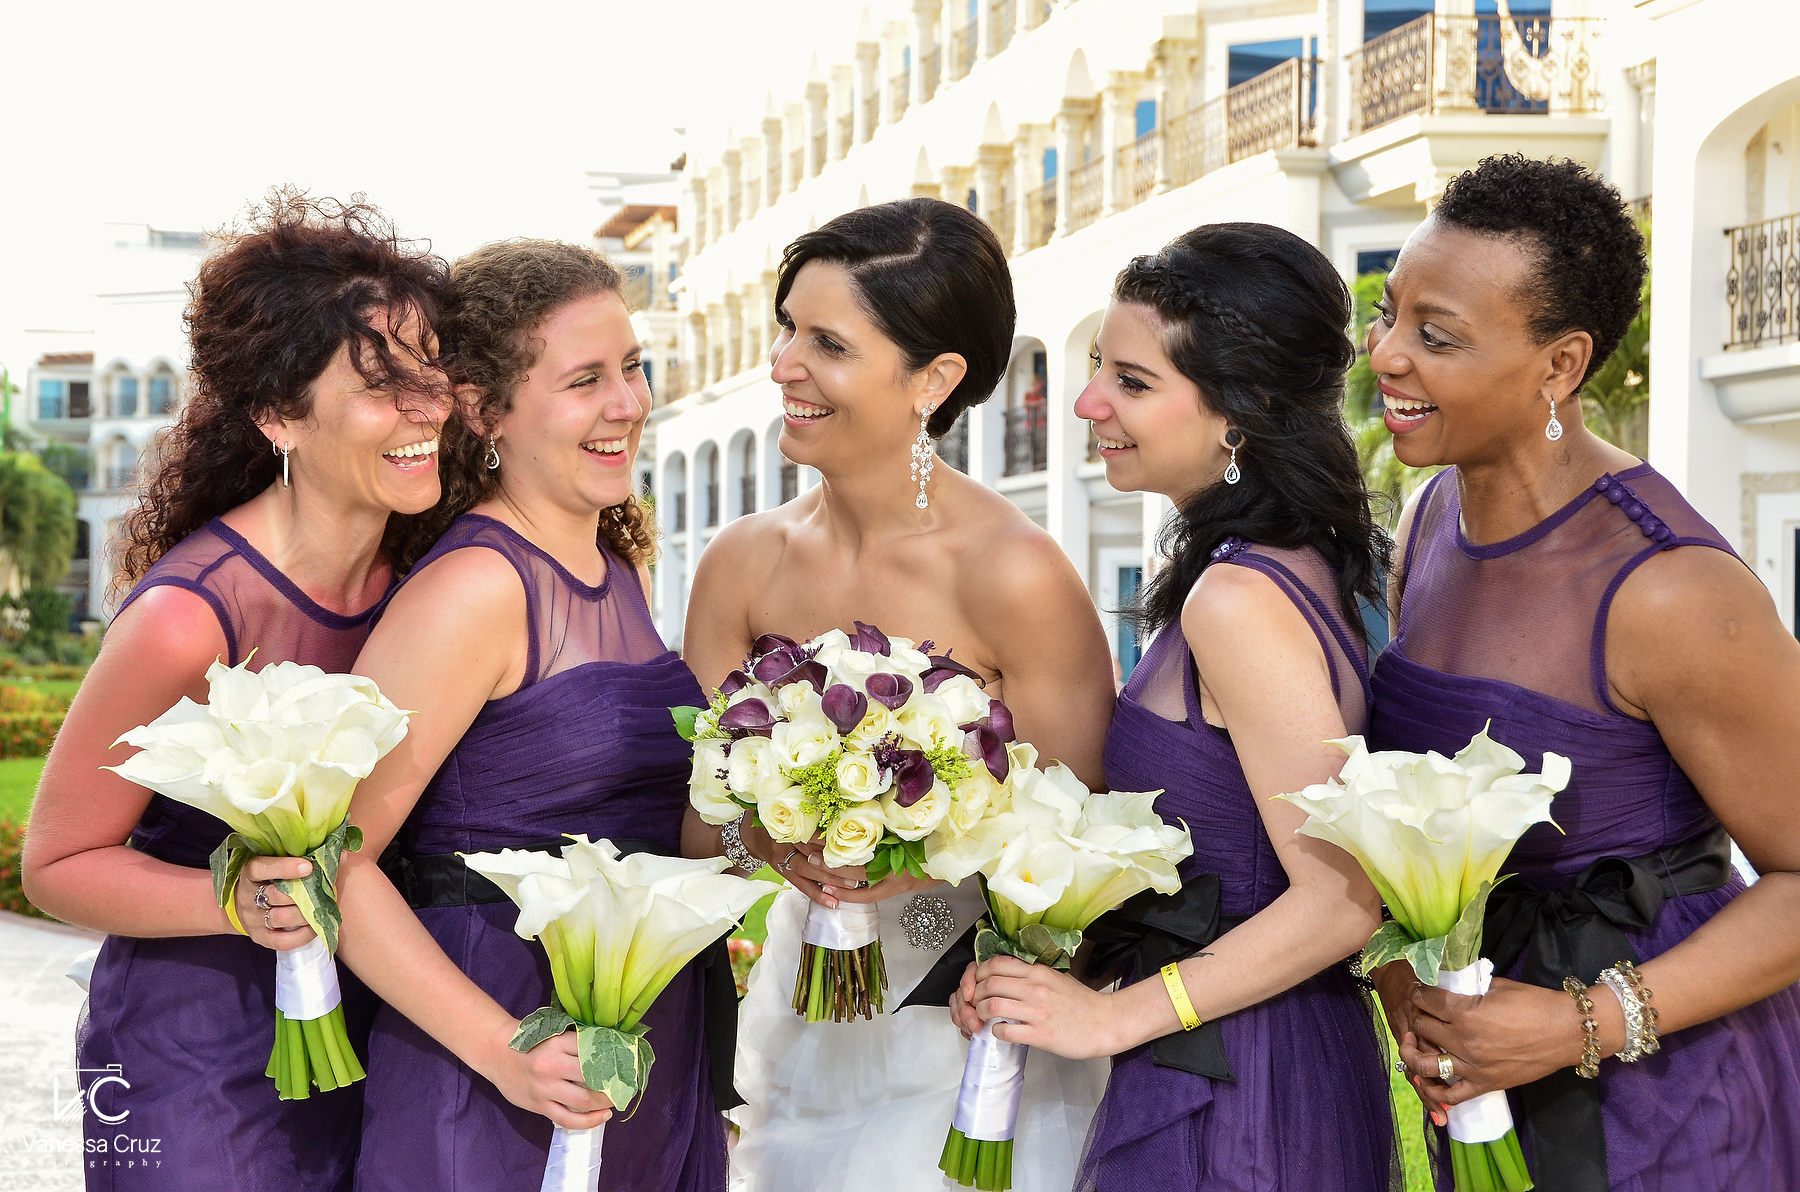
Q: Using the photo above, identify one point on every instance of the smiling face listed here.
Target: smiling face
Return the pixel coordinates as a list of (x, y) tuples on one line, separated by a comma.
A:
[(1463, 378), (1156, 432), (846, 393), (572, 434), (372, 447)]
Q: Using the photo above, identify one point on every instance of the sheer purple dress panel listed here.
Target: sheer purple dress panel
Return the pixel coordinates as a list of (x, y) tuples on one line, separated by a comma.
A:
[(190, 1020), (585, 745), (1514, 633), (1309, 1108)]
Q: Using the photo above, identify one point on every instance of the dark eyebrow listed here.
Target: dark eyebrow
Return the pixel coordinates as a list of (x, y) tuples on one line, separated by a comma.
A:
[(1137, 368), (1431, 309), (594, 366)]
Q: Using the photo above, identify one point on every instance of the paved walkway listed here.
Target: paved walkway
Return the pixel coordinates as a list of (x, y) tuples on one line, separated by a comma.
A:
[(38, 1007)]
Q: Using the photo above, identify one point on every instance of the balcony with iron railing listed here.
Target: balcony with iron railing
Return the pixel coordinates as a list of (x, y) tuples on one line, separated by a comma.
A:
[(712, 506), (747, 494), (1001, 219), (1087, 183), (1441, 64), (1275, 110), (1041, 206), (680, 511), (637, 291), (1137, 167), (932, 63), (116, 478), (953, 448), (1027, 440), (55, 408), (899, 92), (790, 481), (673, 384), (1762, 283)]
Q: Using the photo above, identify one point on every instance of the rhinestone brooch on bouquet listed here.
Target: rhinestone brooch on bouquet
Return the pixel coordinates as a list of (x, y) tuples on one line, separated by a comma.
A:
[(927, 922)]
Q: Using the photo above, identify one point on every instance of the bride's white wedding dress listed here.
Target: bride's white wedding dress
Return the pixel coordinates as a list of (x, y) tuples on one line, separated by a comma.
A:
[(834, 1106)]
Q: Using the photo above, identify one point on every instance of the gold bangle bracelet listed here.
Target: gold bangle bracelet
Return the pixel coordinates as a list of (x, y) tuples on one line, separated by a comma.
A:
[(1178, 994), (1589, 1066)]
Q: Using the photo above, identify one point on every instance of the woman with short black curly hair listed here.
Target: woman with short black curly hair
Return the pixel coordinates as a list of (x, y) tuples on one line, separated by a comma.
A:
[(1564, 593), (311, 422)]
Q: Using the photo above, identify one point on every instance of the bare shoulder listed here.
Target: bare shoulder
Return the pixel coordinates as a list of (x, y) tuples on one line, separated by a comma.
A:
[(1232, 611), (1686, 616), (1010, 565), (169, 628), (747, 547), (474, 587)]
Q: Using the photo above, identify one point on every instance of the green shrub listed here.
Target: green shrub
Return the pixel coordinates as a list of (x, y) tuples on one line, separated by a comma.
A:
[(28, 734), (12, 891), (14, 700)]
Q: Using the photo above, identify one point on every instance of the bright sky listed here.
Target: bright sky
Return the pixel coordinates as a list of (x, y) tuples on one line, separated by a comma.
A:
[(466, 122)]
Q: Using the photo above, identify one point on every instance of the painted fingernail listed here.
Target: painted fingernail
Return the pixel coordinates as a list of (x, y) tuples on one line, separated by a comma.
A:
[(1440, 1118)]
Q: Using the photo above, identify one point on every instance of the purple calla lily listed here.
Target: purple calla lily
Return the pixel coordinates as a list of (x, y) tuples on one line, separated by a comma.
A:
[(751, 715), (945, 668), (845, 706), (770, 642), (807, 672), (1000, 719), (984, 744), (870, 640), (776, 663), (735, 682), (912, 777), (890, 691)]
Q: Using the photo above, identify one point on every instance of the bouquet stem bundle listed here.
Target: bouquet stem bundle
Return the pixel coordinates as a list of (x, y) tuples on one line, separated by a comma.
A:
[(839, 986)]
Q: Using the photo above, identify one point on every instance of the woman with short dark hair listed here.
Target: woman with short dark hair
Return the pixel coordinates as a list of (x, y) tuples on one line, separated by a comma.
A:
[(311, 422), (1565, 593), (1252, 1062), (894, 319)]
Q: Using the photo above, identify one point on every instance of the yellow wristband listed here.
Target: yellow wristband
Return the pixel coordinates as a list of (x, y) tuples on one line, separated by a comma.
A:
[(1178, 994), (231, 910)]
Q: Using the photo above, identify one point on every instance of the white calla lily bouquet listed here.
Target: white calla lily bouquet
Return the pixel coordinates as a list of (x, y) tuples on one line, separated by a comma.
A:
[(1432, 832), (869, 743), (276, 754), (617, 930), (1052, 858)]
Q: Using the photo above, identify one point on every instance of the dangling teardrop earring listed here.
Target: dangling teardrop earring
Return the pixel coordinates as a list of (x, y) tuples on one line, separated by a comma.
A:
[(1554, 430), (1233, 437), (493, 452), (924, 458)]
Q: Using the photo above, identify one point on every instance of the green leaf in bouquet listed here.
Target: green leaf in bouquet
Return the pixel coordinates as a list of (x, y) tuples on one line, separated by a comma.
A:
[(1426, 957), (882, 863), (539, 1025), (1042, 944), (1387, 944), (614, 1061), (684, 721), (913, 852), (316, 894), (1462, 947), (227, 863), (989, 944)]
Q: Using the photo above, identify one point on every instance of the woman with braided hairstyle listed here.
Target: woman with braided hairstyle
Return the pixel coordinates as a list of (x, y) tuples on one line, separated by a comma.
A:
[(1244, 1054)]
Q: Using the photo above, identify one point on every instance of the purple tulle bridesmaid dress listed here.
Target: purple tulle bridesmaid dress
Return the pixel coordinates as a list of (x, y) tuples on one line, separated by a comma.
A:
[(1514, 633), (585, 745), (1305, 1107), (189, 1020)]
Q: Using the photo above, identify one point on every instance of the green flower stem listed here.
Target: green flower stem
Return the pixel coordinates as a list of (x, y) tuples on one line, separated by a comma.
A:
[(975, 1163), (312, 1053)]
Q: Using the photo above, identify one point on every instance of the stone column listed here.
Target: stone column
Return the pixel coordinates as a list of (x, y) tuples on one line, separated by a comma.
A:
[(1118, 103), (926, 15), (734, 334), (990, 170), (772, 148), (817, 117), (694, 345), (696, 210), (1071, 138), (954, 183), (868, 84), (985, 33), (1028, 177)]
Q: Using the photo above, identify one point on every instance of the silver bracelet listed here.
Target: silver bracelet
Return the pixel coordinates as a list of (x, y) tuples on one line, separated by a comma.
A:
[(735, 852), (1636, 1037)]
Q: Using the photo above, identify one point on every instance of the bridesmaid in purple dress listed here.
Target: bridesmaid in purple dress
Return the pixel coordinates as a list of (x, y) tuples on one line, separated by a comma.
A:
[(524, 641), (1564, 591), (1220, 374), (312, 332)]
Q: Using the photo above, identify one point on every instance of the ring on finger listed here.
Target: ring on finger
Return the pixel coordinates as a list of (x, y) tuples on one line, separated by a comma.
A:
[(267, 926), (788, 860), (1400, 1067), (1446, 1069), (262, 896)]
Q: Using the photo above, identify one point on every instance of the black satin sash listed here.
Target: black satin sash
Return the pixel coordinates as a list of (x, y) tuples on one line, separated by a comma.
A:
[(1580, 929), (442, 879)]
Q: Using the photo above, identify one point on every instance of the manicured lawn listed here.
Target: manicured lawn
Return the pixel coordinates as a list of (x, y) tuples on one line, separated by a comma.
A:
[(60, 690), (18, 782)]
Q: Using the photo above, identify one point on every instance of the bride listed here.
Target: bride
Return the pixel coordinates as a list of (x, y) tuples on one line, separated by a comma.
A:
[(894, 319)]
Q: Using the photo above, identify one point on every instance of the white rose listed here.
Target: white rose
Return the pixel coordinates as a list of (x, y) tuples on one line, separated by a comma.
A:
[(708, 788), (785, 817), (906, 658), (965, 699), (755, 768), (798, 701), (922, 818), (860, 778), (877, 723), (927, 723), (970, 800), (801, 743), (829, 646), (853, 667), (852, 839)]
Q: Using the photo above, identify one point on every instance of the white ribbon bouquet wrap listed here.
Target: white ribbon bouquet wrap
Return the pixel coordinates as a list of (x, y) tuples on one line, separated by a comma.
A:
[(276, 754), (1052, 859), (1432, 832), (617, 930), (867, 743)]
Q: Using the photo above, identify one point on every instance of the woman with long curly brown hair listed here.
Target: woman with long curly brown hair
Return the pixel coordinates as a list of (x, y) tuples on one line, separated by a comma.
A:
[(524, 640), (312, 421)]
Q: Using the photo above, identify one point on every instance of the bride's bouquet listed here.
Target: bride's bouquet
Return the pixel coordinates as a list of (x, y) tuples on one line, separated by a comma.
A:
[(277, 754), (1052, 858), (617, 930), (867, 742), (1432, 832)]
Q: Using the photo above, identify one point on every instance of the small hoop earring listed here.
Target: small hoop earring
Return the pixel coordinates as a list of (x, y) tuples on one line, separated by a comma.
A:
[(282, 451), (493, 453), (1554, 430), (924, 458), (1233, 473)]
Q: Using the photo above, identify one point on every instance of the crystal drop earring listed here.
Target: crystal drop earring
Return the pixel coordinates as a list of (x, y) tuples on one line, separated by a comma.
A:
[(1232, 473), (924, 458), (1554, 430), (493, 452)]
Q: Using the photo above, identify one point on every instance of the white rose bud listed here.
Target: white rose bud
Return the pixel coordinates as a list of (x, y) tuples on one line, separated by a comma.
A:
[(877, 723), (964, 698), (801, 743), (927, 723), (852, 839), (755, 768), (970, 800), (860, 778), (798, 701), (785, 818), (922, 818), (708, 790)]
